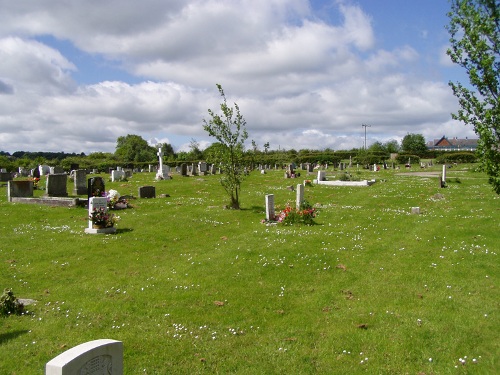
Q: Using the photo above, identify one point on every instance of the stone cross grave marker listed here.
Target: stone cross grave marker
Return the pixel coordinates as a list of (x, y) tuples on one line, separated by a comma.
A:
[(270, 213), (96, 357)]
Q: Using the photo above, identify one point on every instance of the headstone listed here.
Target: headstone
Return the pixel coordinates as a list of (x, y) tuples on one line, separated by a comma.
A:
[(21, 189), (117, 175), (147, 192), (96, 357), (36, 173), (213, 169), (415, 210), (56, 170), (95, 187), (202, 167), (5, 176), (98, 203), (321, 176), (270, 207), (443, 176), (300, 195), (184, 171), (341, 166), (43, 169), (57, 185), (80, 178), (163, 171)]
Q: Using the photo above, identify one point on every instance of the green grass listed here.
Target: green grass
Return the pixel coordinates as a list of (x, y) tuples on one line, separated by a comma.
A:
[(368, 289)]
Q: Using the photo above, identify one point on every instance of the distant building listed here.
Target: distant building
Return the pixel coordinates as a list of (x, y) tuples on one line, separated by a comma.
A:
[(454, 144)]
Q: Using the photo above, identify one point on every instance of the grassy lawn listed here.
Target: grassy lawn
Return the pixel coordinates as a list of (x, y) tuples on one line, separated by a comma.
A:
[(192, 288)]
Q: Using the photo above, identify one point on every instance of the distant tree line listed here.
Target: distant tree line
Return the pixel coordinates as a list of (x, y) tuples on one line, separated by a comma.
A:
[(132, 151)]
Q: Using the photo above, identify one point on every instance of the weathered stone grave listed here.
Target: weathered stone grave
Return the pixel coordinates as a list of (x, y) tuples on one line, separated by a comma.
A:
[(202, 168), (117, 175), (163, 170), (321, 176), (270, 213), (184, 169), (19, 189), (5, 176), (147, 192), (95, 187), (80, 182), (96, 357), (57, 185)]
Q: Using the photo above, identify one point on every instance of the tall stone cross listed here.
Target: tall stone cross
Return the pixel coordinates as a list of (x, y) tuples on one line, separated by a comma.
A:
[(160, 156)]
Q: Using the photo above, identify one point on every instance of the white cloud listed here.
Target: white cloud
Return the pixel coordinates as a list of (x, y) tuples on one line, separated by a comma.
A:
[(300, 81)]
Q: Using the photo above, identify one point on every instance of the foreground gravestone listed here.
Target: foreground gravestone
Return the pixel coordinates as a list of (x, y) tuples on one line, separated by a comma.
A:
[(57, 185), (98, 203), (80, 187), (184, 169), (95, 187), (270, 213), (19, 189), (147, 192), (98, 357)]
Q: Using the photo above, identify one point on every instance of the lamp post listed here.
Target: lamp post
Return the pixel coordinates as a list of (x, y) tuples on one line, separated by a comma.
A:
[(366, 126)]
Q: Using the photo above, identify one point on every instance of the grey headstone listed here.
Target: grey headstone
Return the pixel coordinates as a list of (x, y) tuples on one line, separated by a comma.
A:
[(57, 185)]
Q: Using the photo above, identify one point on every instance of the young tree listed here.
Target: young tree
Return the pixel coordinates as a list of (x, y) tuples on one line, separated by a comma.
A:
[(475, 46), (229, 130)]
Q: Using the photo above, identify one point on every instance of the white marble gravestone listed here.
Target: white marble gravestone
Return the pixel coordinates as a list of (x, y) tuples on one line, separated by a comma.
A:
[(98, 357), (97, 203), (300, 195)]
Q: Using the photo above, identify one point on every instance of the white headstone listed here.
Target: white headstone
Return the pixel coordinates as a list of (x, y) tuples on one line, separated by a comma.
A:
[(117, 175), (443, 177), (300, 195), (321, 175), (270, 207), (96, 357)]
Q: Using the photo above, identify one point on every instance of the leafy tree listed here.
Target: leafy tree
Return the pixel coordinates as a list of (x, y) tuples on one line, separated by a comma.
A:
[(475, 46), (133, 148), (414, 143), (229, 130), (391, 146), (266, 147)]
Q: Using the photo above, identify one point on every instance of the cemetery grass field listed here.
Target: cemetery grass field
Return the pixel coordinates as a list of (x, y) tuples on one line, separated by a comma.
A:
[(193, 288)]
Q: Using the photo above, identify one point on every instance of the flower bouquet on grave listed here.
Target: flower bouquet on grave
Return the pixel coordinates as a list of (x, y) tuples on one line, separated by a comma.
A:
[(115, 200), (36, 182), (101, 218)]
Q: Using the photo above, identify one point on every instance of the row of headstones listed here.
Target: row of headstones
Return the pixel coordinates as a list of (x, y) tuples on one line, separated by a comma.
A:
[(269, 200)]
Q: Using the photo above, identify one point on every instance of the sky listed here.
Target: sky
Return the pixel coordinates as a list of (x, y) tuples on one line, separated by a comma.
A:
[(306, 74)]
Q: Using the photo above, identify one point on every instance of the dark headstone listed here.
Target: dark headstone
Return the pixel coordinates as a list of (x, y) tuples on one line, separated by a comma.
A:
[(23, 189), (95, 187), (147, 192), (57, 185), (36, 173)]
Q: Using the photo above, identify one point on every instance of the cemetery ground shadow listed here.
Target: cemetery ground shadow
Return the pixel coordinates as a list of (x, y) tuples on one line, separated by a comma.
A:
[(123, 230), (4, 337)]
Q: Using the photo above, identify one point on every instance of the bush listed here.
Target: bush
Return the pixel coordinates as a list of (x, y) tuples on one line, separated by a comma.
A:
[(403, 159), (457, 157), (9, 304)]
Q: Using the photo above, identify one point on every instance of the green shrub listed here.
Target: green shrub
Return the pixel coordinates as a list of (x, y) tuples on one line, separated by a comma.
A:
[(403, 159), (457, 157), (9, 304)]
